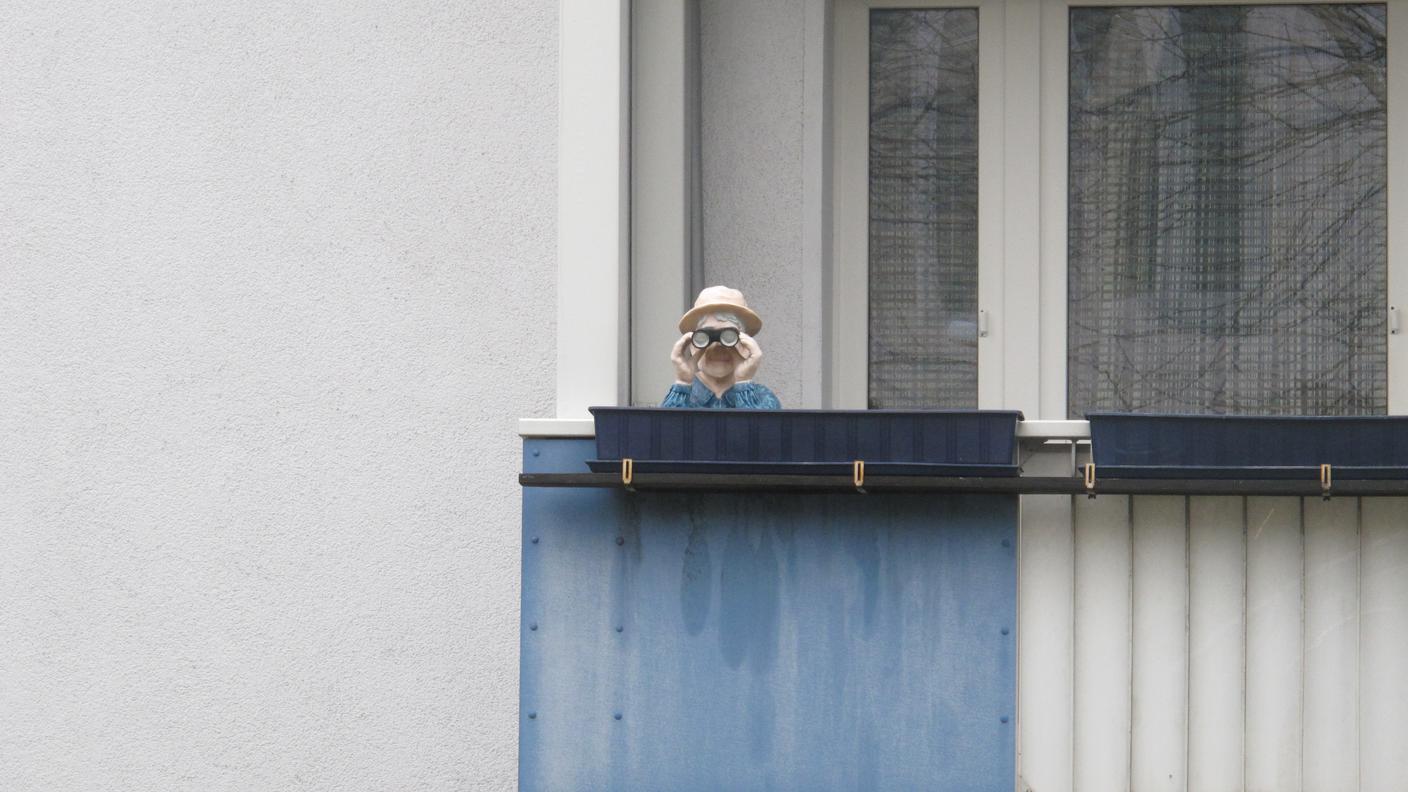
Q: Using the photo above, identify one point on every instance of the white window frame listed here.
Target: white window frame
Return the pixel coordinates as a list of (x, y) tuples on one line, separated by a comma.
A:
[(1022, 197), (850, 292), (593, 204)]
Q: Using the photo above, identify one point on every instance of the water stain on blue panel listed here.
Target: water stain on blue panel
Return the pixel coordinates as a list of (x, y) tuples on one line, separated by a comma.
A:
[(864, 548), (696, 578), (748, 594), (734, 641)]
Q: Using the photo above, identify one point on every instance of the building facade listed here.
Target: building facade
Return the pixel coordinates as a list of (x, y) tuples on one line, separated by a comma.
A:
[(280, 289)]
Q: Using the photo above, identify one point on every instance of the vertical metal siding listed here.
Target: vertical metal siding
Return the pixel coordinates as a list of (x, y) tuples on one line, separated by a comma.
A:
[(1275, 594), (1158, 743), (1331, 639), (1216, 639), (1102, 644), (1201, 643), (1046, 601), (1383, 644)]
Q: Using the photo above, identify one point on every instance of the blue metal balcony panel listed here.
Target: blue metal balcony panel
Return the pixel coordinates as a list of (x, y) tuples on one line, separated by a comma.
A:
[(781, 642)]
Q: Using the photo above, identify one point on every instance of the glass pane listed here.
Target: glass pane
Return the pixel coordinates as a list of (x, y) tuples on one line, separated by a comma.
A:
[(924, 208), (1227, 214)]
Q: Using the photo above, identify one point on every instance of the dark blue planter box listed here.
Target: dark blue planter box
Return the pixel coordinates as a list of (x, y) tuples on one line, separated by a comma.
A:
[(1228, 446), (823, 442)]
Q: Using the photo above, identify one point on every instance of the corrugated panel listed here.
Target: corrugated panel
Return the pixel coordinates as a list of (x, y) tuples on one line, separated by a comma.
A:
[(1102, 644), (1384, 643), (1216, 639), (1274, 596), (1255, 644), (1330, 754), (1046, 602), (1160, 680)]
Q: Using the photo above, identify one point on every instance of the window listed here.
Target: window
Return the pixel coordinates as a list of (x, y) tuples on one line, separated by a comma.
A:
[(1227, 218), (916, 212), (1066, 207), (923, 213)]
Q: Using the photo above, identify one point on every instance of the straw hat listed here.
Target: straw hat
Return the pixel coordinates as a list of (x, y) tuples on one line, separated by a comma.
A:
[(721, 299)]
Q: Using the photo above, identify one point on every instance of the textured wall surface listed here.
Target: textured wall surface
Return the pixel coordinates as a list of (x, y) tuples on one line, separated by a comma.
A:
[(751, 108), (275, 282)]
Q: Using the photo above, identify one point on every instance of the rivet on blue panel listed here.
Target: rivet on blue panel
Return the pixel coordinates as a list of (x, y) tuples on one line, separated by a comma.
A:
[(535, 540), (620, 540), (619, 628), (532, 716), (1005, 631), (616, 715), (533, 626), (1006, 542), (536, 452), (1004, 718)]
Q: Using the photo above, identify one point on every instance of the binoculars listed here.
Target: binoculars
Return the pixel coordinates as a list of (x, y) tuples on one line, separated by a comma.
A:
[(727, 336)]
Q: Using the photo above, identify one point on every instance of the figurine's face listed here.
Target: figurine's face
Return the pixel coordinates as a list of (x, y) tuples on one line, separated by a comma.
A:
[(717, 360)]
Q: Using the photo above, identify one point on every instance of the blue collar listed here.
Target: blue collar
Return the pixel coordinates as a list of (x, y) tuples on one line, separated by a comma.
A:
[(701, 396)]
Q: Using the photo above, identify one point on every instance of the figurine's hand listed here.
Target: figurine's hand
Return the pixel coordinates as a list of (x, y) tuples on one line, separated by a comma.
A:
[(683, 358), (752, 358)]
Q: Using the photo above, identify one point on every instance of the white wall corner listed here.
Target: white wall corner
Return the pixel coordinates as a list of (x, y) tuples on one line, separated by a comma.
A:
[(816, 202), (661, 200), (593, 205)]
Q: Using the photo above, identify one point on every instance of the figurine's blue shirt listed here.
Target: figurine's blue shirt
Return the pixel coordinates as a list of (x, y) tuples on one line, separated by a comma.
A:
[(744, 395)]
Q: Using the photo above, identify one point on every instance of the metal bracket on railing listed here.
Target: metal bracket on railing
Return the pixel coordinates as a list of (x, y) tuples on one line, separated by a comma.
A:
[(628, 471), (1090, 480), (1327, 480), (858, 475)]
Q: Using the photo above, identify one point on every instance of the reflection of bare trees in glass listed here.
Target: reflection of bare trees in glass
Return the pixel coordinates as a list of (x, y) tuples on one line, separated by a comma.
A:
[(1227, 209), (924, 208)]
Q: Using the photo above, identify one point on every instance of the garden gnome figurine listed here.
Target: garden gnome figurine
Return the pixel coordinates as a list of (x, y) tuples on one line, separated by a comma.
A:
[(717, 357)]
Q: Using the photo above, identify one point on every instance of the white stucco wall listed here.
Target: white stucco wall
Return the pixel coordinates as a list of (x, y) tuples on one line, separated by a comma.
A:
[(275, 282)]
